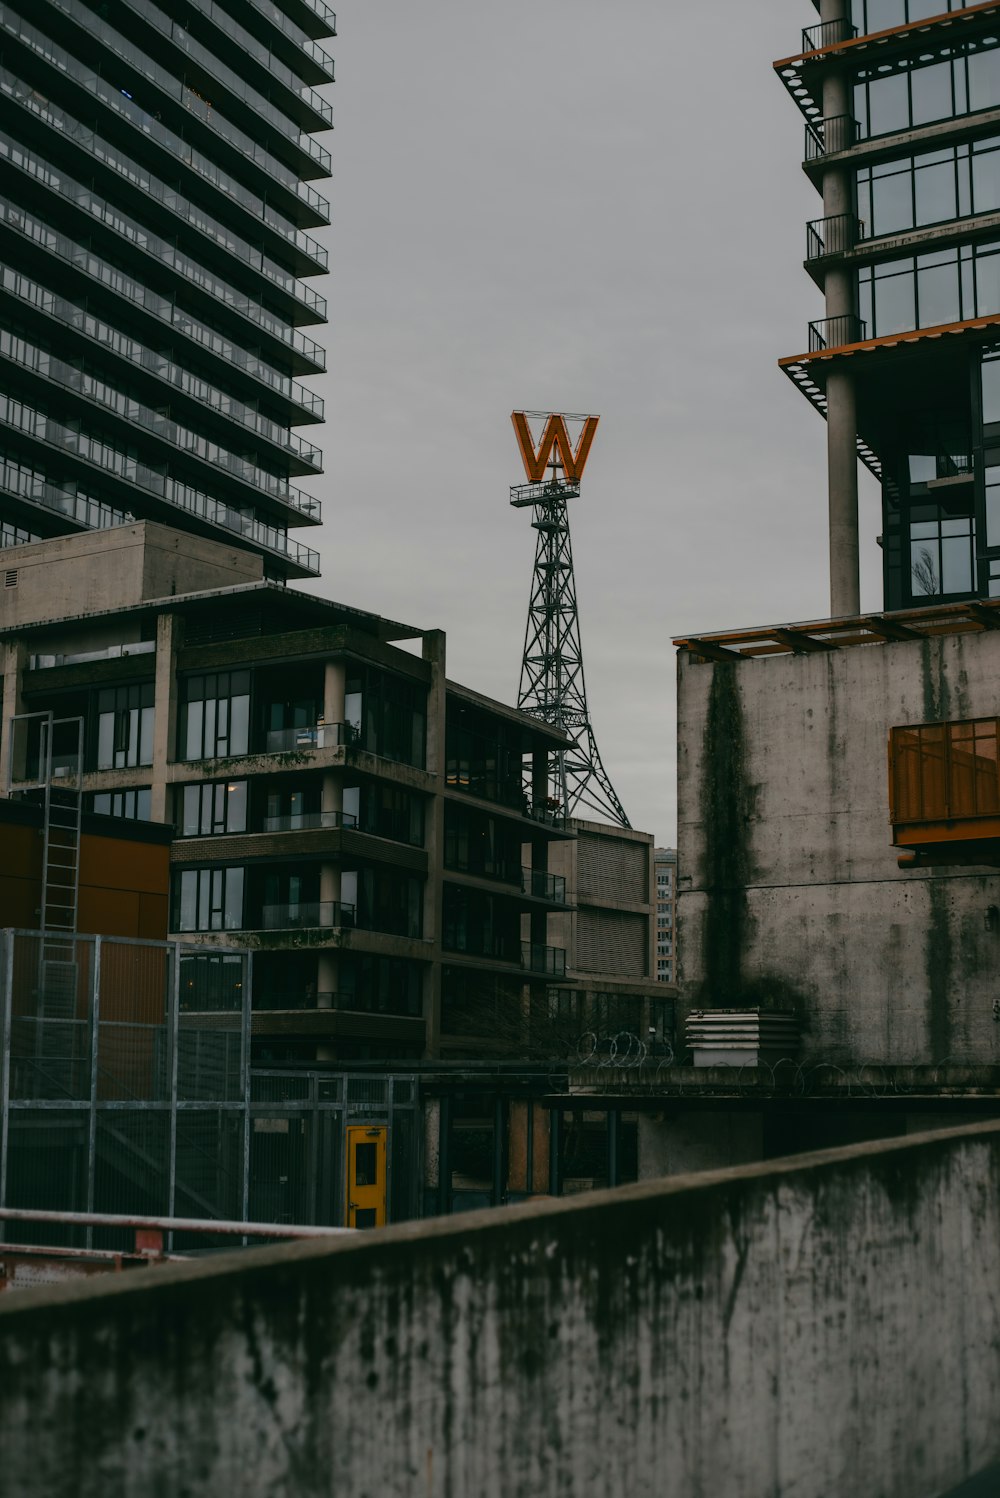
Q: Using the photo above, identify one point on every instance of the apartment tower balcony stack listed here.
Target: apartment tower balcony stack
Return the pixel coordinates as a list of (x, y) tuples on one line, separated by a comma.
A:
[(901, 100)]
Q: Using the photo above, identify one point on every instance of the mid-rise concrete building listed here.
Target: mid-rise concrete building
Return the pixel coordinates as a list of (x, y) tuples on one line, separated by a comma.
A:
[(356, 819)]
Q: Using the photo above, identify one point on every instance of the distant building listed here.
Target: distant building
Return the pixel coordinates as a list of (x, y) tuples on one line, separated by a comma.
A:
[(665, 873)]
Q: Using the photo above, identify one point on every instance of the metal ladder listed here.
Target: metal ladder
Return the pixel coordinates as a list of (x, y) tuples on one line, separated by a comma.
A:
[(48, 765)]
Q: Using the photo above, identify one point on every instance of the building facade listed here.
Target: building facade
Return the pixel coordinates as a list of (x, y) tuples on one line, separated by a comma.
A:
[(157, 258), (665, 873), (901, 100), (838, 793), (357, 820)]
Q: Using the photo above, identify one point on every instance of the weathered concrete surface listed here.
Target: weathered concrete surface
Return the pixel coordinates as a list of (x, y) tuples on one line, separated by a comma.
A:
[(823, 1326), (796, 898)]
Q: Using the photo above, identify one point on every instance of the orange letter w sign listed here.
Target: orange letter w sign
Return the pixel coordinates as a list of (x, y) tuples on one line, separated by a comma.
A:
[(554, 438)]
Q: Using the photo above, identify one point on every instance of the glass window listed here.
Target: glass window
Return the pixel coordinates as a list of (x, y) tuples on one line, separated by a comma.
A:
[(934, 188), (879, 15), (985, 177), (125, 726), (888, 104), (214, 808), (133, 806), (892, 199), (987, 283), (991, 389), (931, 92), (215, 715), (984, 80), (208, 900), (942, 556), (938, 296), (895, 301), (993, 505)]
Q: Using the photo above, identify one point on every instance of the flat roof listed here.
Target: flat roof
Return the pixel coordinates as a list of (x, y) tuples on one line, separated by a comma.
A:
[(972, 617), (302, 608), (555, 736)]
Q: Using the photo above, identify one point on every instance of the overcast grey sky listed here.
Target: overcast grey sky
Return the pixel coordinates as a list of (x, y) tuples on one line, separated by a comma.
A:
[(565, 205)]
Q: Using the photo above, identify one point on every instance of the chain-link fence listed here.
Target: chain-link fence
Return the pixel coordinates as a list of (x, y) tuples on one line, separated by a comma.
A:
[(128, 1091)]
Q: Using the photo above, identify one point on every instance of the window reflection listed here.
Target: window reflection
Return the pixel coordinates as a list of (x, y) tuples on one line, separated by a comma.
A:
[(882, 15), (924, 291), (918, 91)]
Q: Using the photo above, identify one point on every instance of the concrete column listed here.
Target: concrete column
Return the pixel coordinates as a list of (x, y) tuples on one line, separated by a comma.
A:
[(842, 455), (334, 690), (327, 966), (539, 859), (326, 977), (842, 462), (13, 662), (329, 882), (169, 638), (434, 652)]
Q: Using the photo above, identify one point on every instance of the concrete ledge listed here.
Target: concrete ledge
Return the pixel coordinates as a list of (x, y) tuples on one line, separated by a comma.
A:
[(823, 1325)]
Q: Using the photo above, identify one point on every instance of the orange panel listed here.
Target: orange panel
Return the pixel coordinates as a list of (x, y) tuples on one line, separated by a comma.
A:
[(116, 863)]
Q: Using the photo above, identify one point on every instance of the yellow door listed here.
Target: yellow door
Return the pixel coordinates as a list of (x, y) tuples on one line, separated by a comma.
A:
[(366, 1176)]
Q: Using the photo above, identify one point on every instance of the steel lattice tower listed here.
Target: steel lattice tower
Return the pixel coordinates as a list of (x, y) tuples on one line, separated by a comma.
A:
[(552, 682)]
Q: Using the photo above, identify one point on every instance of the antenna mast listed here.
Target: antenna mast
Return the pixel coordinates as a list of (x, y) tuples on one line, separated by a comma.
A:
[(552, 685)]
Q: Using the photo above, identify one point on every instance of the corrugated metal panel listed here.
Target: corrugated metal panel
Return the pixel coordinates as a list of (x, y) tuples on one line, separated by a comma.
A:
[(612, 941), (609, 868)]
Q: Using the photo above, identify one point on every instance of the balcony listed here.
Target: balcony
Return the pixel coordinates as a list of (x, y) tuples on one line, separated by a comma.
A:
[(543, 886), (306, 915), (274, 999), (832, 236), (319, 736), (551, 961), (546, 816), (944, 789), (835, 332), (827, 34), (307, 821), (826, 137)]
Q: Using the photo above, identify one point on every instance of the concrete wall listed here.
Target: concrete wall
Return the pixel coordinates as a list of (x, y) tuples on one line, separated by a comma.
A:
[(109, 569), (796, 898), (818, 1327)]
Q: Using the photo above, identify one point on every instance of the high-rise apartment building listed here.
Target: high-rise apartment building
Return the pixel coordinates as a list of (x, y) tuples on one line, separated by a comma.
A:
[(902, 140), (665, 871), (156, 257)]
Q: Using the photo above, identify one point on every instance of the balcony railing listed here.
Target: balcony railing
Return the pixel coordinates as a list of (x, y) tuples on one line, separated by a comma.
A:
[(832, 236), (304, 821), (306, 915), (319, 736), (825, 137), (295, 998), (834, 332), (110, 652), (828, 34), (546, 816), (543, 886), (548, 960)]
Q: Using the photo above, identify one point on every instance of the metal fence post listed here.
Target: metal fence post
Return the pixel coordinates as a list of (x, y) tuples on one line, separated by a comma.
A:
[(173, 1020), (6, 1020), (95, 1035), (246, 993)]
